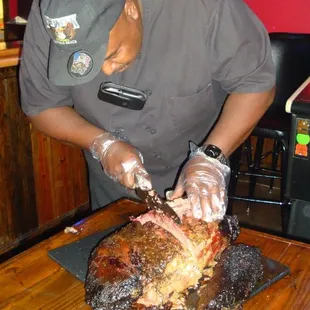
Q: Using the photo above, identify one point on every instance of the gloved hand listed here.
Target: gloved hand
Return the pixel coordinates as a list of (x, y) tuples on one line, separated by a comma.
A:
[(121, 161), (204, 179)]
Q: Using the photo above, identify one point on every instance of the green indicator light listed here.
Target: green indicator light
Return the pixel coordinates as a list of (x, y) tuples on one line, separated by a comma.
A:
[(303, 139)]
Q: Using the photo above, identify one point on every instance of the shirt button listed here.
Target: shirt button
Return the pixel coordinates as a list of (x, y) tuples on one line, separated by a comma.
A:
[(151, 130), (119, 130), (157, 155)]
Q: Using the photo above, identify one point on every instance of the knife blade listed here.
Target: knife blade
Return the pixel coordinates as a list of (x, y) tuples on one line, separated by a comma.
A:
[(155, 202)]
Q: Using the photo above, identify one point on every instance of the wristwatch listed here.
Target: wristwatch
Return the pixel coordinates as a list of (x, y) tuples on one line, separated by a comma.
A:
[(214, 152)]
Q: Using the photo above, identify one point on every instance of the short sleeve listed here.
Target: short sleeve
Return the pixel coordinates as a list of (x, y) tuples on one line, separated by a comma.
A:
[(240, 49), (36, 91)]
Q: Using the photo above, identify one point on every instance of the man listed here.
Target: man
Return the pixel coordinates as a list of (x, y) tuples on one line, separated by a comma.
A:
[(166, 61)]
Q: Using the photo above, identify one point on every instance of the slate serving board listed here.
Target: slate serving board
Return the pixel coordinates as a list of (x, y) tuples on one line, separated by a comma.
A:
[(74, 258)]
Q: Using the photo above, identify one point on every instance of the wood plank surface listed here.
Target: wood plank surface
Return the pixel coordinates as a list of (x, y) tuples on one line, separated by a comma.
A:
[(18, 213), (32, 280), (29, 268), (292, 292)]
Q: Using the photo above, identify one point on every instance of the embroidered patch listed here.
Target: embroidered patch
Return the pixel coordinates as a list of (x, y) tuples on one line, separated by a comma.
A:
[(63, 28), (80, 64)]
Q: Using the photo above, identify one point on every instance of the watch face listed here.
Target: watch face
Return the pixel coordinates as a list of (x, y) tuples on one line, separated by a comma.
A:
[(212, 151)]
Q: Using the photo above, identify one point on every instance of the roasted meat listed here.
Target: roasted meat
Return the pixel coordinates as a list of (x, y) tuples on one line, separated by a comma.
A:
[(152, 262)]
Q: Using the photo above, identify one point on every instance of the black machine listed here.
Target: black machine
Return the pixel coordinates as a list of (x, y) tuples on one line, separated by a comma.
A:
[(298, 178), (14, 29)]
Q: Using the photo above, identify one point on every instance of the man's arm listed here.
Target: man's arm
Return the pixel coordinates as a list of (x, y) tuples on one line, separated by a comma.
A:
[(120, 160), (64, 124), (240, 114)]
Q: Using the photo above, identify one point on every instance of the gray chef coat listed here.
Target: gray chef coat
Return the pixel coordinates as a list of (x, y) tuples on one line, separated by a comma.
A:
[(188, 47)]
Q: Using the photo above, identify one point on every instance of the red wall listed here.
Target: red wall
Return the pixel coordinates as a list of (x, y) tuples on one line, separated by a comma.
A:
[(283, 15), (13, 8)]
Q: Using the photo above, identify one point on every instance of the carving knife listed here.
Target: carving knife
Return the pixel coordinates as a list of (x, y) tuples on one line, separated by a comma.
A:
[(155, 202)]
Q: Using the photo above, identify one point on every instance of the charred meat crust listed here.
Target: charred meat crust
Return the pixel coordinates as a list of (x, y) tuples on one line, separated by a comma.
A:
[(122, 286), (238, 270), (113, 297), (229, 227)]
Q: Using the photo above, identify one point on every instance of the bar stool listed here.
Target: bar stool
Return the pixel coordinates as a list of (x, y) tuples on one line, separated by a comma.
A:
[(291, 56)]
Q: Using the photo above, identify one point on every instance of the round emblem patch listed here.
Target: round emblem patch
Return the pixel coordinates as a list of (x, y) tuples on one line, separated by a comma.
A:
[(80, 64)]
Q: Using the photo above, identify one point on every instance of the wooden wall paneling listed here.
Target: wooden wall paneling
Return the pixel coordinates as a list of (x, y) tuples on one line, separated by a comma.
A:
[(43, 180), (18, 214), (78, 176), (60, 177), (62, 165), (62, 181)]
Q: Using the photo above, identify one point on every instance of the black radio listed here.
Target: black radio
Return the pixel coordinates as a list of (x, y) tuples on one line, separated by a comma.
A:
[(123, 96)]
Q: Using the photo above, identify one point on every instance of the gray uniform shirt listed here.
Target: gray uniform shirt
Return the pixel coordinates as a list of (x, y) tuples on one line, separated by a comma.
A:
[(188, 47)]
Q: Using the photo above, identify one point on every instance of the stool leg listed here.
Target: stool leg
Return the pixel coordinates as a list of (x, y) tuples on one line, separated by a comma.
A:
[(248, 155), (255, 168), (275, 156), (285, 209), (248, 152), (235, 159)]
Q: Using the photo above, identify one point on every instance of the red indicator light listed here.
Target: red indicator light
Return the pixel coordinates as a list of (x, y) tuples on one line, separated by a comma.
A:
[(301, 150)]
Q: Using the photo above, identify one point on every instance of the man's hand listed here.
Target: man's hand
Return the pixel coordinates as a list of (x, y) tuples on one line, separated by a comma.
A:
[(121, 161), (204, 180)]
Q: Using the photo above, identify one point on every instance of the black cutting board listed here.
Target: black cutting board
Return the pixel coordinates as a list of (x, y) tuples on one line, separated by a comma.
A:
[(74, 258)]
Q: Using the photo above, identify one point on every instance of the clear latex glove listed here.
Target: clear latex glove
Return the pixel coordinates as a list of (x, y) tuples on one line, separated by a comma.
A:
[(121, 161), (204, 179)]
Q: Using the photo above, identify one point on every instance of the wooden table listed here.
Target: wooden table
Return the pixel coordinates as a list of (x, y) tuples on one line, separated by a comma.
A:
[(32, 280)]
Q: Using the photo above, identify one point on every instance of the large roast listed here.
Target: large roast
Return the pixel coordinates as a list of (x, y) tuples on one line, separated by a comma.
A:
[(154, 263)]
